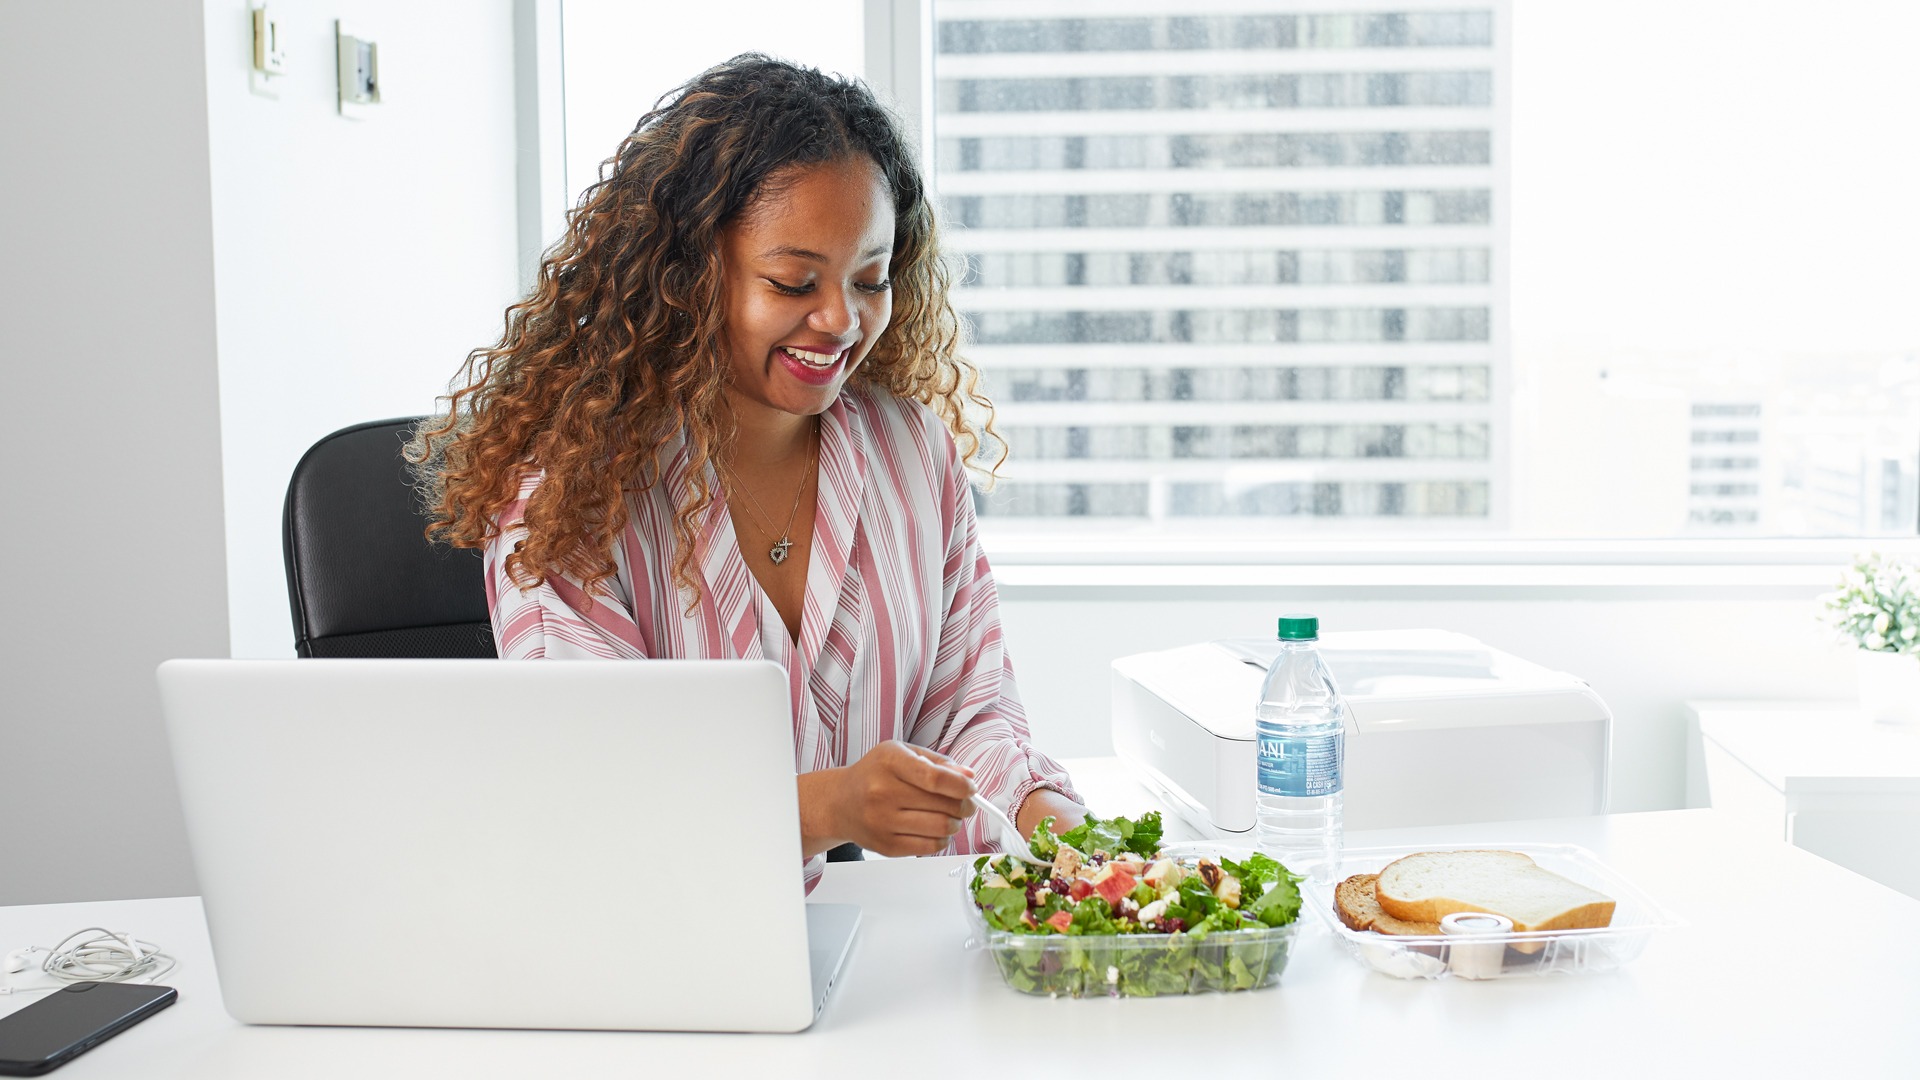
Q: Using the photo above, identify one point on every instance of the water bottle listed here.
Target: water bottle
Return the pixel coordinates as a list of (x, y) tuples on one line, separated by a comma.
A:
[(1300, 728)]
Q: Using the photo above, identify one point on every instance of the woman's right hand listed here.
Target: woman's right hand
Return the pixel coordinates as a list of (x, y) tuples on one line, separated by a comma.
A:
[(901, 799)]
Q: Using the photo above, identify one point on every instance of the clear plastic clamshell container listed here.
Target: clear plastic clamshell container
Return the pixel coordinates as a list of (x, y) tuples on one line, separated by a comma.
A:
[(1134, 965), (1635, 918)]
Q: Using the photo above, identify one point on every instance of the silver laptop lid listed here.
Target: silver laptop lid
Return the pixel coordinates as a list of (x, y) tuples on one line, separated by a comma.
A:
[(474, 843)]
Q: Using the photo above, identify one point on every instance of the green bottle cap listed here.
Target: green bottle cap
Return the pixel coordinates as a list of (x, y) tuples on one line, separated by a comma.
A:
[(1299, 628)]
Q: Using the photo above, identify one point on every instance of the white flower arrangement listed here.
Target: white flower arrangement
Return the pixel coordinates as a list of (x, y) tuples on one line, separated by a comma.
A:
[(1877, 607)]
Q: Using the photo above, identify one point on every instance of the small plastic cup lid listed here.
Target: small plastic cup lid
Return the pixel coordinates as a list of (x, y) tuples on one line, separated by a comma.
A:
[(1475, 922), (1299, 628)]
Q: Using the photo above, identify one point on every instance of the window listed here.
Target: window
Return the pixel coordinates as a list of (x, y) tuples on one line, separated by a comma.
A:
[(1487, 269), (1308, 242), (1230, 287)]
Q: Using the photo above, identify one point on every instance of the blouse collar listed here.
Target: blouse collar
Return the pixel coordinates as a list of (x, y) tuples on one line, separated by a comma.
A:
[(727, 600)]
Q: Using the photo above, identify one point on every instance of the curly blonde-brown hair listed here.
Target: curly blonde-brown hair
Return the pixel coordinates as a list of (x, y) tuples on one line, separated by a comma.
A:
[(620, 346)]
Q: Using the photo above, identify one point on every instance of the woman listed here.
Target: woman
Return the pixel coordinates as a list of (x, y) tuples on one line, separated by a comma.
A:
[(730, 422)]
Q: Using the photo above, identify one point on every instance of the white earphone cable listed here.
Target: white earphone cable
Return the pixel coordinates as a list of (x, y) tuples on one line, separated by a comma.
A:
[(97, 954)]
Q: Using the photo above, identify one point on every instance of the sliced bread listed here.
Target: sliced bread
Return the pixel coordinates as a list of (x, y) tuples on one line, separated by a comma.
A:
[(1431, 885), (1354, 901)]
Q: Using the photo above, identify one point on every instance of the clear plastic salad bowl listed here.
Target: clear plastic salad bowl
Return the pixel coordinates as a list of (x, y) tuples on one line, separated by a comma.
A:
[(1133, 965)]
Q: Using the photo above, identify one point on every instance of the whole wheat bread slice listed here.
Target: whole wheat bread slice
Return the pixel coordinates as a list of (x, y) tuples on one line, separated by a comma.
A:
[(1354, 901), (1431, 885)]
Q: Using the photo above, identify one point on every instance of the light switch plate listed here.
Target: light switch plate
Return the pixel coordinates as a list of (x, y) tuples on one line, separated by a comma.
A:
[(269, 61), (359, 64)]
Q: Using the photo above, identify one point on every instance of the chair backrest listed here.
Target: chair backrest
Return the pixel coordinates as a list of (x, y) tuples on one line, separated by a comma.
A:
[(363, 580)]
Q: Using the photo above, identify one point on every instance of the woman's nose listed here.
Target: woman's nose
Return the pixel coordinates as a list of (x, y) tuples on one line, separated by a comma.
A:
[(836, 313)]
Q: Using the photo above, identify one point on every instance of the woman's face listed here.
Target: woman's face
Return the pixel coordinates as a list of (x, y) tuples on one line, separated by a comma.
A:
[(805, 273)]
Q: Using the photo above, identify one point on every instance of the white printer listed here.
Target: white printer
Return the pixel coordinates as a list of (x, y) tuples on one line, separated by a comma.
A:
[(1442, 730)]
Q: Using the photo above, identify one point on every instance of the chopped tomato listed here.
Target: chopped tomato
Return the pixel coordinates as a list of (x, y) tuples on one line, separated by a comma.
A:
[(1060, 920)]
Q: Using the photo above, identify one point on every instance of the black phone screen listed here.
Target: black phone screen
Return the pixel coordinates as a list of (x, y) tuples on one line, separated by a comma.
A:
[(66, 1023)]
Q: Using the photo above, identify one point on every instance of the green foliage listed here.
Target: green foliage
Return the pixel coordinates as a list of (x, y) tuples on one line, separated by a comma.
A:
[(1877, 607)]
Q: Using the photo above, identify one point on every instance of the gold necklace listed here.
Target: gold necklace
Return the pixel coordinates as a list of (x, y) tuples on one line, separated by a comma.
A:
[(778, 552)]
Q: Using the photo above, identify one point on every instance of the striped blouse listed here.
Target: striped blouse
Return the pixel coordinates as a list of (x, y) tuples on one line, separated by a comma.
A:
[(899, 632)]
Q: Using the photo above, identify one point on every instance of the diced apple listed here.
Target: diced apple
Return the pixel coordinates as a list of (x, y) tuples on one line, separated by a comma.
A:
[(1060, 920), (1163, 874), (1114, 881), (1080, 889)]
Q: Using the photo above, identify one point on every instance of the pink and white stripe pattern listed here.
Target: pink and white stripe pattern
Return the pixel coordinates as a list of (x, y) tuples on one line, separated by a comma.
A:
[(900, 631)]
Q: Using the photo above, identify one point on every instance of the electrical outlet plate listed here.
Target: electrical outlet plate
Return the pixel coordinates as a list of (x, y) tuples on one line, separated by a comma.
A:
[(359, 64), (269, 64)]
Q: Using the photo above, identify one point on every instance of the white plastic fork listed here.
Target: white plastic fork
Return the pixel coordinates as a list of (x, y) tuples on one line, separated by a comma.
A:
[(1010, 839)]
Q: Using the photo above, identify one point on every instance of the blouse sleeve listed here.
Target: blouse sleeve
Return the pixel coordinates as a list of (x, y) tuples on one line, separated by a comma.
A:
[(555, 619), (972, 711)]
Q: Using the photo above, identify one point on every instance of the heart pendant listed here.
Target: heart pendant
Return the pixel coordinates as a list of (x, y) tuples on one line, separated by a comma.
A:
[(779, 551)]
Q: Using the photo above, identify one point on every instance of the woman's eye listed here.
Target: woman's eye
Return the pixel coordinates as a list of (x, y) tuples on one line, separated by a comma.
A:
[(790, 290), (876, 287)]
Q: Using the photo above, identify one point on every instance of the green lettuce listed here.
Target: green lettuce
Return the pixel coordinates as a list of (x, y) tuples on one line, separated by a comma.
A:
[(1115, 835), (1043, 843), (1003, 907)]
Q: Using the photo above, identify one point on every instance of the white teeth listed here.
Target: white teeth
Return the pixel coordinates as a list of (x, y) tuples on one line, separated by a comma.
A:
[(812, 359)]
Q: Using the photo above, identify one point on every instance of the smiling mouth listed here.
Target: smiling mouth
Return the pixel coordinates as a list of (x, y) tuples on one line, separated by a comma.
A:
[(816, 361)]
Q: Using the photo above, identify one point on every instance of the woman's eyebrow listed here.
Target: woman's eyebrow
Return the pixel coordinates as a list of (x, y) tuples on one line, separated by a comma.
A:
[(786, 252)]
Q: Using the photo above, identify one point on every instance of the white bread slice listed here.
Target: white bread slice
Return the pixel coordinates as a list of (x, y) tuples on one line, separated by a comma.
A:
[(1431, 885)]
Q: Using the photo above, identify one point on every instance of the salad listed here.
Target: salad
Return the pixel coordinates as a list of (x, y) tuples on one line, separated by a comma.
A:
[(1113, 913)]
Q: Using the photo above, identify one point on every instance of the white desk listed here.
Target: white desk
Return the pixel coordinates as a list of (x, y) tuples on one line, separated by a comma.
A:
[(1816, 774), (1790, 966)]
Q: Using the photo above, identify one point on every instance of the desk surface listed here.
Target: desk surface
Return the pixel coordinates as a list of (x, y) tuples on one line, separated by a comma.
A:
[(1788, 964), (1792, 743)]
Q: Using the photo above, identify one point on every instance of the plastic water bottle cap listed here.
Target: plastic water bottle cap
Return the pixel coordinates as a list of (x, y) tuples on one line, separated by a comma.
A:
[(1299, 628)]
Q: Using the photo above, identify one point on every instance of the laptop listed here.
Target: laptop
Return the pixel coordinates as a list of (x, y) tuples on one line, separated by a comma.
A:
[(478, 843)]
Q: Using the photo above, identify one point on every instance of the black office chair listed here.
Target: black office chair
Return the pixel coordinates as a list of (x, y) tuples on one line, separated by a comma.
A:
[(362, 578)]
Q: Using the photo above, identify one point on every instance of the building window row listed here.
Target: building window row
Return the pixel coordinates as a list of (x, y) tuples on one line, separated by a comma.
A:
[(1231, 326), (1012, 498), (1435, 382), (1717, 515), (1350, 266), (1245, 442), (1314, 90), (1388, 30), (1719, 410), (1221, 209), (1728, 490), (1216, 150), (1449, 499), (1701, 438), (1726, 463)]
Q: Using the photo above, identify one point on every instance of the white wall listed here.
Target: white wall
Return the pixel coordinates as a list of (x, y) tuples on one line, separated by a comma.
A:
[(1644, 650), (621, 56), (355, 264), (110, 531), (356, 261)]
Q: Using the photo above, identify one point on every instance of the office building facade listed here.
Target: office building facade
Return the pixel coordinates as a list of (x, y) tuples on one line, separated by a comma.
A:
[(1232, 266)]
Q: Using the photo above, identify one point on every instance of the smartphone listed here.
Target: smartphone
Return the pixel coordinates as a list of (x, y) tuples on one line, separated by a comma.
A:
[(72, 1020)]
